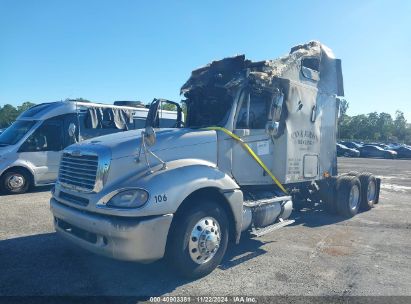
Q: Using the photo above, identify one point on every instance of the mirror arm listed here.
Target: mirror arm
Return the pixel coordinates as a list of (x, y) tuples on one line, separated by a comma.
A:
[(147, 151)]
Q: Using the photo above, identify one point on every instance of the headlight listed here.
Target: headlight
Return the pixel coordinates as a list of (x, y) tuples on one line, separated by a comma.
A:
[(130, 198)]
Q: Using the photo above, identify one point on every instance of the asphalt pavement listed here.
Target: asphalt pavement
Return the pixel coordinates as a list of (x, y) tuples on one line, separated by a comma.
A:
[(319, 255)]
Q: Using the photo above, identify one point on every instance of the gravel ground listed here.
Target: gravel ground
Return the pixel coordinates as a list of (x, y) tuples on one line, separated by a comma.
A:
[(319, 255)]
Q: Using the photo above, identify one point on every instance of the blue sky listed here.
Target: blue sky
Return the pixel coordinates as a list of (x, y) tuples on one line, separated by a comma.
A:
[(137, 50)]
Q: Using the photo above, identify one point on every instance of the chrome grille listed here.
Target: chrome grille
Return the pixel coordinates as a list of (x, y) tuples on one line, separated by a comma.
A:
[(78, 171)]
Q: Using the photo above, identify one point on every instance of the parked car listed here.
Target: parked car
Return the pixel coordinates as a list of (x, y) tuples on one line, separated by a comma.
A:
[(348, 152), (395, 146), (403, 152), (375, 151), (351, 144), (384, 146)]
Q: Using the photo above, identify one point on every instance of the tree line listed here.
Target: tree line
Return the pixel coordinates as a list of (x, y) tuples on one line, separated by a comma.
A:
[(379, 127), (9, 113), (365, 127)]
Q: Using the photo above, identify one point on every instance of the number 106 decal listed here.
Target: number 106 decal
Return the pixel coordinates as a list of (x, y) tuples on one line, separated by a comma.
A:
[(160, 198)]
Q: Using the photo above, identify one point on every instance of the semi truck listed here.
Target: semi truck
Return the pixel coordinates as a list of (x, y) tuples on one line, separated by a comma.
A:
[(258, 140)]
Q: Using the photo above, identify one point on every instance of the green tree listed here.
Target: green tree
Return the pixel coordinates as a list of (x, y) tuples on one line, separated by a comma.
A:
[(400, 125), (373, 131), (345, 127), (8, 114), (344, 105), (168, 107), (385, 126), (25, 106), (342, 117)]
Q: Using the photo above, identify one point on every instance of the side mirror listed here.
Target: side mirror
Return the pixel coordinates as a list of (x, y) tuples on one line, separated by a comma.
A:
[(276, 106), (272, 128), (276, 109), (72, 131), (153, 117)]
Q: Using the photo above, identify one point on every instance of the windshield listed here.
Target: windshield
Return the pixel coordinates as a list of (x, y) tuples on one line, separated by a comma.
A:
[(208, 108), (15, 132)]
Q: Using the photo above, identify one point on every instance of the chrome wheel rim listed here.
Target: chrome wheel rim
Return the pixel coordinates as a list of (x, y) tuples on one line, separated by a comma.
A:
[(15, 181), (354, 197), (371, 192), (204, 240)]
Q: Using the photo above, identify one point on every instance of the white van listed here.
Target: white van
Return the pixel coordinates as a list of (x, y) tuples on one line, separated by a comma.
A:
[(30, 149)]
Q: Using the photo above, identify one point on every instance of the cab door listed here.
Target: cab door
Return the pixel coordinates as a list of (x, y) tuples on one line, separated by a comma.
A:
[(42, 150), (250, 125)]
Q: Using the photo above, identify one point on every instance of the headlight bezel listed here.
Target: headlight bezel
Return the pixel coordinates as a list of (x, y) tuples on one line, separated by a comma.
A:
[(109, 200)]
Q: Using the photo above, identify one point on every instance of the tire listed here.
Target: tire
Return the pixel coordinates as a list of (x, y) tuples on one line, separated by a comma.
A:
[(348, 195), (184, 249), (15, 181), (368, 191)]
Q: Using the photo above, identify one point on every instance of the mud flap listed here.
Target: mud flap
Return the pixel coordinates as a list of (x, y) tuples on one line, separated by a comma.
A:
[(378, 190)]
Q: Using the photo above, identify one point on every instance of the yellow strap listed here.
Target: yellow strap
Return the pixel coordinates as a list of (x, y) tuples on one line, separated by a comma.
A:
[(251, 152)]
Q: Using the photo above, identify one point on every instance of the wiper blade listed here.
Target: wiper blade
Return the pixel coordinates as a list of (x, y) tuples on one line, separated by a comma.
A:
[(3, 145)]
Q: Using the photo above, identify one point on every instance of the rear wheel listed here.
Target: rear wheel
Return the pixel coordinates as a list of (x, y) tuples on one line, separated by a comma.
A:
[(368, 191), (198, 239), (15, 181), (348, 195)]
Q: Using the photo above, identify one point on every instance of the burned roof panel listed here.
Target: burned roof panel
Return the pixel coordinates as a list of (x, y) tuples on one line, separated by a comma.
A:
[(234, 71)]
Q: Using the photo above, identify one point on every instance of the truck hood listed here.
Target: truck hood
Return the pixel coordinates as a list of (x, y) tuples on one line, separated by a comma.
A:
[(127, 143)]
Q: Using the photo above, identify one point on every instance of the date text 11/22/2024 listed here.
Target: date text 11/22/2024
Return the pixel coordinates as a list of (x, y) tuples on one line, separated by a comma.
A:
[(203, 299)]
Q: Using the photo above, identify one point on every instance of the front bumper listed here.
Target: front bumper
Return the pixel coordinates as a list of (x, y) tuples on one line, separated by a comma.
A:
[(130, 239)]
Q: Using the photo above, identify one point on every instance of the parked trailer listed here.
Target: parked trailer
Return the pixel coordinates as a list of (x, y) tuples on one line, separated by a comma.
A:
[(258, 136), (31, 148)]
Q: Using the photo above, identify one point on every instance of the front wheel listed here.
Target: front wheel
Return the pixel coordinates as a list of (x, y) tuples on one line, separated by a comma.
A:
[(15, 182), (198, 239)]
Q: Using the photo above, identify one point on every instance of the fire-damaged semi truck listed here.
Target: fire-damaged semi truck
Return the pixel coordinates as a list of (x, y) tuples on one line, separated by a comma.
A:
[(257, 137)]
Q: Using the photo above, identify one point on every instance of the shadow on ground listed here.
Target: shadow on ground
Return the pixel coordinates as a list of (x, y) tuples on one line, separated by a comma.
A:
[(315, 216), (44, 264), (33, 190)]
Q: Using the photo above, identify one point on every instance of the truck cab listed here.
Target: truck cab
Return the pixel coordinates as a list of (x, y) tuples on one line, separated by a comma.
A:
[(257, 136)]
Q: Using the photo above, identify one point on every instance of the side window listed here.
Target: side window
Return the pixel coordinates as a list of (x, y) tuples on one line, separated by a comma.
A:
[(253, 113), (47, 137), (310, 67), (242, 114)]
